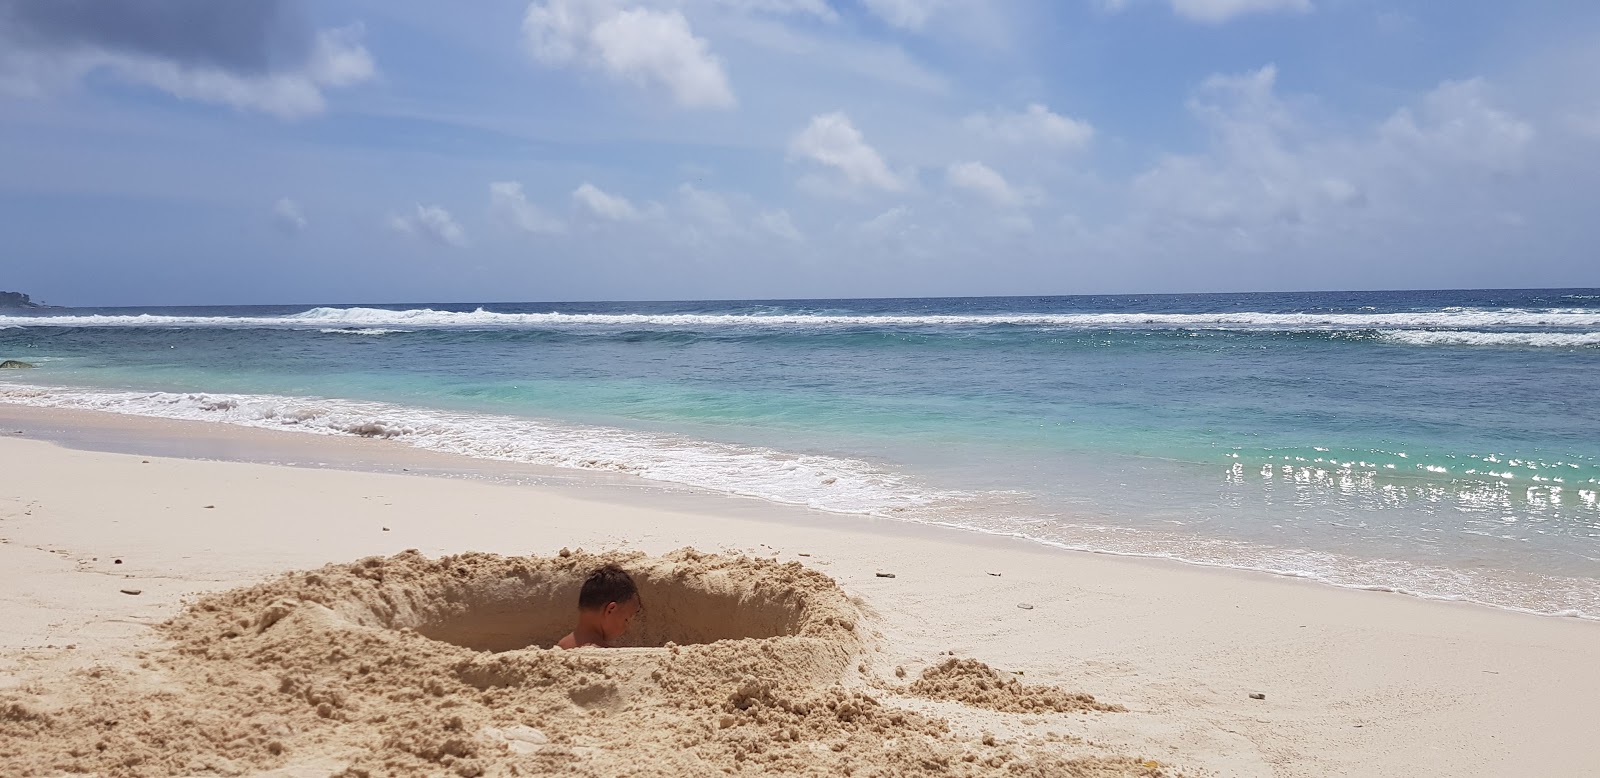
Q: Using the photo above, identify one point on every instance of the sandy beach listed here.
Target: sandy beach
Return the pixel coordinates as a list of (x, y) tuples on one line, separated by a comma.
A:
[(98, 548)]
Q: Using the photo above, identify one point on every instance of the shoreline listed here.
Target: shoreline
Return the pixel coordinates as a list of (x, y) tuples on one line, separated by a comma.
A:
[(1355, 683), (119, 432)]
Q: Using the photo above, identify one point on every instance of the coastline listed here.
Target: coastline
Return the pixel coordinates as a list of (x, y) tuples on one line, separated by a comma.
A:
[(801, 484), (1356, 683)]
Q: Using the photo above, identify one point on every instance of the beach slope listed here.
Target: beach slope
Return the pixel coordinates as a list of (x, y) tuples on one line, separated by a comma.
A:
[(97, 549)]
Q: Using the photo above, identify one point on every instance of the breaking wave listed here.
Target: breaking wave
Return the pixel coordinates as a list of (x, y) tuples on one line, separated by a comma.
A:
[(1471, 338), (350, 319)]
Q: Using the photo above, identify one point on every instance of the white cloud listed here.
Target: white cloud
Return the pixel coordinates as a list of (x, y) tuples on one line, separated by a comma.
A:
[(831, 140), (1273, 177), (779, 223), (817, 8), (286, 213), (900, 233), (510, 205), (855, 58), (1034, 125), (1264, 170), (906, 14), (982, 180), (710, 219), (892, 223), (1219, 11), (337, 60), (431, 222), (1456, 121), (606, 206), (646, 46)]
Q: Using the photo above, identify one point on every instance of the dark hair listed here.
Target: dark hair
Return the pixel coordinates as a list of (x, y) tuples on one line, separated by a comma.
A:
[(606, 585)]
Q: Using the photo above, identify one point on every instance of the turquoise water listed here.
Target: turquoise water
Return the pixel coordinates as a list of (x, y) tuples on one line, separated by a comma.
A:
[(1439, 443)]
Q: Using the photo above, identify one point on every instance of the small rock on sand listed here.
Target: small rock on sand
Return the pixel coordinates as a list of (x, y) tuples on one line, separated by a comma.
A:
[(116, 561), (132, 591), (885, 575), (209, 507), (1257, 696), (1025, 606), (997, 575)]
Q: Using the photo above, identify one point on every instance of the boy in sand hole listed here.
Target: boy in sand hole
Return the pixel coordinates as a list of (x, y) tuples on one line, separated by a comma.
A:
[(607, 603)]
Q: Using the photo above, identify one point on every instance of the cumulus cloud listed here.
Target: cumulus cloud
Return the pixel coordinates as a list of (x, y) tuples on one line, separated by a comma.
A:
[(982, 180), (1264, 168), (430, 222), (1034, 125), (647, 46), (286, 213), (831, 140), (261, 56), (1272, 175), (510, 205), (1456, 121), (603, 205)]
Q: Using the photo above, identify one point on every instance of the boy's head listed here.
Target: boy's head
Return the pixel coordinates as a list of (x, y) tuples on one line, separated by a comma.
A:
[(610, 599)]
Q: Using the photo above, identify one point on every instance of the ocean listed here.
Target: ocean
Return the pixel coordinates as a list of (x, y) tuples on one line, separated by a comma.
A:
[(1444, 444)]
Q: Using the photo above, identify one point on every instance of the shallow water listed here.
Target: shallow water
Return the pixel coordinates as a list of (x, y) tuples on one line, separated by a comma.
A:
[(1439, 443)]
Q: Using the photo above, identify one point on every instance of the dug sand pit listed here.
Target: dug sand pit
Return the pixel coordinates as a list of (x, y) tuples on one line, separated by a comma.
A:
[(489, 603), (406, 666)]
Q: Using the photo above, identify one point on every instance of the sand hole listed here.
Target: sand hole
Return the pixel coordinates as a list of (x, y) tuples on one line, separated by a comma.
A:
[(493, 613), (496, 604)]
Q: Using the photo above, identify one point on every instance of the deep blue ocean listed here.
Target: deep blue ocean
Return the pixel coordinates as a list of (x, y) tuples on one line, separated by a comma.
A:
[(1445, 444)]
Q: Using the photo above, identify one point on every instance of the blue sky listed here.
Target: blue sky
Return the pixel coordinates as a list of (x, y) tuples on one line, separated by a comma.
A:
[(177, 152)]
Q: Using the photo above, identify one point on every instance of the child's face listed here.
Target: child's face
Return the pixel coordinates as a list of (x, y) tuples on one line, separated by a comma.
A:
[(617, 617)]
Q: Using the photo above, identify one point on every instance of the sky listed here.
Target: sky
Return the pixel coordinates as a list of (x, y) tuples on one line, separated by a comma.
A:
[(171, 152)]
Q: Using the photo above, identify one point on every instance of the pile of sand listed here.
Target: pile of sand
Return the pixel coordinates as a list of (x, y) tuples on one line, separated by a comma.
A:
[(974, 683), (410, 666)]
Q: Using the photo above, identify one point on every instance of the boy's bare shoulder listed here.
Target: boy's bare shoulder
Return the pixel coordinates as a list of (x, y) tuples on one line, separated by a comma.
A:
[(570, 641)]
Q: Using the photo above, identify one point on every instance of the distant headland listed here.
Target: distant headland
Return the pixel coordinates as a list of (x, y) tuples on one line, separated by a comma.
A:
[(17, 300)]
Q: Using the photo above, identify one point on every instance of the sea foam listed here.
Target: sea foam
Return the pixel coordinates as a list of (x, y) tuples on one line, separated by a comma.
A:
[(1473, 338), (826, 483)]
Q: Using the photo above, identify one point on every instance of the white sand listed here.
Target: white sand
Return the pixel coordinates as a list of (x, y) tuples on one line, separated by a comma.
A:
[(1356, 683)]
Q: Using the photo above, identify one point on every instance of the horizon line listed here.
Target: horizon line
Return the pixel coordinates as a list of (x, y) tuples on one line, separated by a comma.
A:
[(597, 301)]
